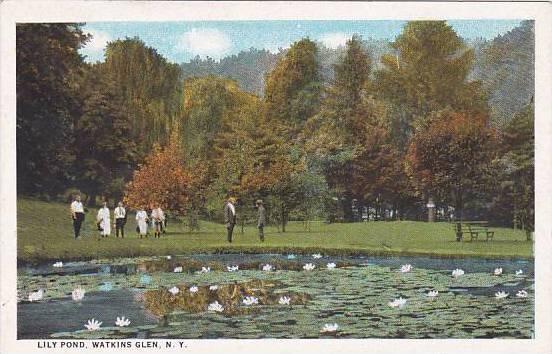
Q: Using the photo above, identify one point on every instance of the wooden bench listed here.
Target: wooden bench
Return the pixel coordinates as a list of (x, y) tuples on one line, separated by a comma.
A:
[(473, 228)]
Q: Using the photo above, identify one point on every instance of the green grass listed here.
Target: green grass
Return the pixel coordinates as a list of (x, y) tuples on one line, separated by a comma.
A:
[(45, 234)]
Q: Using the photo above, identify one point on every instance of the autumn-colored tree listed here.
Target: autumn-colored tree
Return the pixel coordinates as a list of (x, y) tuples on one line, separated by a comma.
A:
[(162, 180), (451, 159)]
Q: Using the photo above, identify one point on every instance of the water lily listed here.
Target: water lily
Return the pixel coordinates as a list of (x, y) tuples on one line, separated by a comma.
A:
[(36, 295), (213, 287), (194, 289), (501, 295), (522, 293), (267, 267), (432, 293), (215, 307), (78, 294), (400, 302), (93, 325), (58, 264), (122, 321), (405, 268), (457, 272), (291, 256), (330, 265), (205, 270), (145, 279), (329, 328), (174, 290), (233, 268), (284, 300), (250, 300), (107, 286), (498, 271), (169, 257), (309, 266), (317, 256), (177, 270), (519, 272)]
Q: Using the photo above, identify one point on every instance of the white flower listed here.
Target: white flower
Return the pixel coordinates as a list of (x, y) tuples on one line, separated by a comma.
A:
[(284, 300), (498, 271), (329, 328), (522, 293), (405, 268), (317, 256), (215, 307), (432, 293), (457, 272), (36, 295), (122, 321), (174, 290), (291, 256), (178, 269), (400, 302), (232, 268), (93, 325), (309, 266), (267, 267), (78, 294), (501, 295), (213, 287), (519, 272), (169, 257), (204, 270), (250, 300), (58, 264), (194, 289), (330, 265)]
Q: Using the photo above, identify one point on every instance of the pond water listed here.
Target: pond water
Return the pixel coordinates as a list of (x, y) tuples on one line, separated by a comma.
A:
[(356, 295)]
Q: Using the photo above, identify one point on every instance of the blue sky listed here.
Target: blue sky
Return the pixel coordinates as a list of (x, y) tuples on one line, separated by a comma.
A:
[(181, 41)]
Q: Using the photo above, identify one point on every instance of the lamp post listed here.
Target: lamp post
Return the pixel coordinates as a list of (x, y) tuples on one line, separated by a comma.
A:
[(430, 210)]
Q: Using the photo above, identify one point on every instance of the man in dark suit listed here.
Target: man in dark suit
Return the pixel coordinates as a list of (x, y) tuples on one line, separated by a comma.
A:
[(261, 219), (230, 216)]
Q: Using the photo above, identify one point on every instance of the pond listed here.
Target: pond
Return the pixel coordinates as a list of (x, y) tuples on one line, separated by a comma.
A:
[(286, 301)]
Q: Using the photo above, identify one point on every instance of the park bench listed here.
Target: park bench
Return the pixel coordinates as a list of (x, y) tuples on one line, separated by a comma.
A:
[(473, 228)]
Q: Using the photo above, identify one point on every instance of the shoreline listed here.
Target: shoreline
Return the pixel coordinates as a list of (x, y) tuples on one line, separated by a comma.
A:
[(286, 250)]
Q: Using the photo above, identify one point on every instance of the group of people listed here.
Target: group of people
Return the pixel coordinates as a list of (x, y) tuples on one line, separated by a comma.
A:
[(155, 219), (145, 221), (230, 218)]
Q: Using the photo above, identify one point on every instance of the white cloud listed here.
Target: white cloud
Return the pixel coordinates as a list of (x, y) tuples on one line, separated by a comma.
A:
[(205, 42), (334, 40), (98, 41)]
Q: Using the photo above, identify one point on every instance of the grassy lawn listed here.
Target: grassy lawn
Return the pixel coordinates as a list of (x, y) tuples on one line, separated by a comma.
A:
[(45, 234)]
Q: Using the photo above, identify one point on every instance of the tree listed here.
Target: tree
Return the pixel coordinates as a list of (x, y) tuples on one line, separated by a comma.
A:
[(47, 102), (427, 72), (106, 154), (162, 180), (515, 197), (452, 158), (293, 88)]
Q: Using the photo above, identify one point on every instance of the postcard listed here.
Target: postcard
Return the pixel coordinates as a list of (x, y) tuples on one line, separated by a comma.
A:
[(311, 177)]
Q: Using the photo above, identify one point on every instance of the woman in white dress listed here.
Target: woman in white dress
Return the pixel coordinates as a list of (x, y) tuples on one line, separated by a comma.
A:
[(104, 220), (142, 221)]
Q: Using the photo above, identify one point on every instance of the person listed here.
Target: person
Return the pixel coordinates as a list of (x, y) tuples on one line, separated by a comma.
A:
[(230, 217), (104, 220), (120, 219), (261, 219), (157, 221), (142, 222), (77, 214)]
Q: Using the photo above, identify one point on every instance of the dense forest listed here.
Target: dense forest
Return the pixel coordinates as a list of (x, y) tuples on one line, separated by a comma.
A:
[(315, 132)]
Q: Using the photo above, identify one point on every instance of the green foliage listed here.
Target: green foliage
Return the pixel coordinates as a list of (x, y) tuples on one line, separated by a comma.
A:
[(47, 103)]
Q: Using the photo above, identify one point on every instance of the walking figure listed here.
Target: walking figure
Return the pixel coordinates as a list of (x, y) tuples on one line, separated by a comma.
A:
[(120, 220), (77, 214)]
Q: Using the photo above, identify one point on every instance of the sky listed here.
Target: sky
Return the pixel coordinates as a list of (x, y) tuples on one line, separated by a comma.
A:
[(179, 42)]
